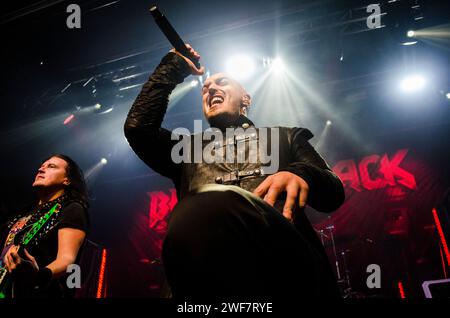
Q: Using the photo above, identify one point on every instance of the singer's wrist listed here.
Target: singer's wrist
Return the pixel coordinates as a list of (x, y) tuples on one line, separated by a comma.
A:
[(177, 60)]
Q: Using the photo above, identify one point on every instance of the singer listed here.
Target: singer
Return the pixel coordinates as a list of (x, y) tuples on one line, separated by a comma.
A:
[(236, 230)]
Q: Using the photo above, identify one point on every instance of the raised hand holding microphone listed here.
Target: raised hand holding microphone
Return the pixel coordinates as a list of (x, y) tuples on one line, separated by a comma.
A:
[(180, 48), (195, 54)]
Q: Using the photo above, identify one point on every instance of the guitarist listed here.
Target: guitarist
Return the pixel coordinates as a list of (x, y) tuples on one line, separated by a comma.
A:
[(39, 270)]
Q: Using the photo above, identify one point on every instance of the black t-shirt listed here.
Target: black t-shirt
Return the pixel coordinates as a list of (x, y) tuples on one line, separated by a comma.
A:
[(74, 216), (44, 250)]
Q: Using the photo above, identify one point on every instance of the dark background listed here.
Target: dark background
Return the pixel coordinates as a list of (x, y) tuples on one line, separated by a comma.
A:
[(346, 73)]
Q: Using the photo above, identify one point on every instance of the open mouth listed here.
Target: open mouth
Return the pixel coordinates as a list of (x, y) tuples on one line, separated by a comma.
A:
[(215, 100)]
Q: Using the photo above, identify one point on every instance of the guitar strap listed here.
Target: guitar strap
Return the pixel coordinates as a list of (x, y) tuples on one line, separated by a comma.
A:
[(15, 230), (18, 225)]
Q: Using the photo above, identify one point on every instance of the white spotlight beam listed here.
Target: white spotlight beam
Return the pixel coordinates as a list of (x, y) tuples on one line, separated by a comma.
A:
[(180, 91), (92, 173), (241, 66), (413, 83)]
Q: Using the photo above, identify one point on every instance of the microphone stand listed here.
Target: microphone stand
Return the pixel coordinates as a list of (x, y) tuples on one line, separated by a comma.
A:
[(330, 229)]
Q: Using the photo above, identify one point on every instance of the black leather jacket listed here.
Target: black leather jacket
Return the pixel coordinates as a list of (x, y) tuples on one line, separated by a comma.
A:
[(153, 144)]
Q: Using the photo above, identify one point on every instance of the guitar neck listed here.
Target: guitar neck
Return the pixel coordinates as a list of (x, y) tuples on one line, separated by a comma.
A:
[(27, 238), (39, 224), (35, 228)]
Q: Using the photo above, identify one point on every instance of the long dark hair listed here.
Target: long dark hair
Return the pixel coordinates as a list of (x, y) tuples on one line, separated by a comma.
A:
[(77, 189)]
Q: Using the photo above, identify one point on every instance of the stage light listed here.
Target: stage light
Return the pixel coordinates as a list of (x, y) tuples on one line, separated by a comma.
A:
[(410, 33), (323, 136), (401, 290), (240, 66), (412, 83), (108, 110), (101, 276), (93, 172), (409, 43), (277, 65), (69, 119), (88, 81), (180, 91), (130, 87), (97, 106), (447, 95), (66, 87)]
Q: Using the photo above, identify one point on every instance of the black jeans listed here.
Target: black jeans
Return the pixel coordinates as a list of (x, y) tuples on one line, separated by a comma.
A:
[(223, 241)]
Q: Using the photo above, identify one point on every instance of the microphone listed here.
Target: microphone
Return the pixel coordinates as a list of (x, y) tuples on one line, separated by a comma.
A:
[(172, 35)]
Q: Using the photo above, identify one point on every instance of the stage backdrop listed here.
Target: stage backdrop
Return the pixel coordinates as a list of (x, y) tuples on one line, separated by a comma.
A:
[(391, 188)]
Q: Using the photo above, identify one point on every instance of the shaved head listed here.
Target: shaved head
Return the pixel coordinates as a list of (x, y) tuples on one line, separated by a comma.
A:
[(223, 99)]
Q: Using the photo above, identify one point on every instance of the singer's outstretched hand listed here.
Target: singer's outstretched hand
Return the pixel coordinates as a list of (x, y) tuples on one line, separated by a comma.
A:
[(194, 70)]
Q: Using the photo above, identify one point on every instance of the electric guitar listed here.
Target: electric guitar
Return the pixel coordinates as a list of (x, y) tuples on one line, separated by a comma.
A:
[(28, 237)]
